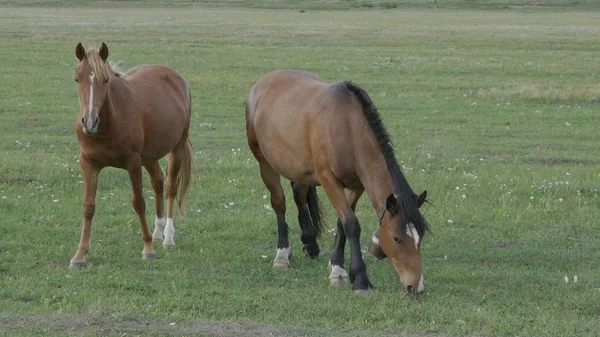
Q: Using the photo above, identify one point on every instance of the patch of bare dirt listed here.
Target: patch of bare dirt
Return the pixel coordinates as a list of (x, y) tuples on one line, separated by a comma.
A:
[(113, 324)]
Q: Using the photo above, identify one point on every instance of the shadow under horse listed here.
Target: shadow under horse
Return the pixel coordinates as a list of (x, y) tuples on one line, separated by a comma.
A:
[(330, 134), (131, 121)]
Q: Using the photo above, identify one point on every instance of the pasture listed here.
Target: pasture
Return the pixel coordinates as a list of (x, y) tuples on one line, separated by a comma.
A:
[(494, 113)]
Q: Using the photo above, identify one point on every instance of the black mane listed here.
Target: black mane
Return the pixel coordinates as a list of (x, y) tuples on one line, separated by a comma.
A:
[(407, 202)]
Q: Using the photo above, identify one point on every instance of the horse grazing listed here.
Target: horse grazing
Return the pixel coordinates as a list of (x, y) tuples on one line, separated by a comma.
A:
[(316, 133), (128, 121)]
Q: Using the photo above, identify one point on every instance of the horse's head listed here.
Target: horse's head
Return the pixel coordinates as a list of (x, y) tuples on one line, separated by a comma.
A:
[(92, 74), (402, 248)]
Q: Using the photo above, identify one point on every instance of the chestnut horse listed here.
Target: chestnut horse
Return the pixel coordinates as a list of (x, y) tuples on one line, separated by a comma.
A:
[(128, 121), (316, 133)]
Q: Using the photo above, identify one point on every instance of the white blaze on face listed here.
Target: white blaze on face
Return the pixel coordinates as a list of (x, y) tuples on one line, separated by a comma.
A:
[(90, 120), (412, 232)]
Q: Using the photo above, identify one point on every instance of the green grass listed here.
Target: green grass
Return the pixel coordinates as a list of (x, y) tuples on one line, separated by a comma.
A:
[(319, 4), (494, 113)]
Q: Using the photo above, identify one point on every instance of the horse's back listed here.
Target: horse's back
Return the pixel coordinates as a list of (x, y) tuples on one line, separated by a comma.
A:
[(294, 89), (291, 116), (157, 77)]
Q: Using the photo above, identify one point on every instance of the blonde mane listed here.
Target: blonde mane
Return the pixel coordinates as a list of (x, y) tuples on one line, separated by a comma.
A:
[(101, 69)]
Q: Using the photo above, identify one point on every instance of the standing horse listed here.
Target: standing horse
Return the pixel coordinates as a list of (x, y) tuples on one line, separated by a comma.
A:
[(316, 133), (128, 121)]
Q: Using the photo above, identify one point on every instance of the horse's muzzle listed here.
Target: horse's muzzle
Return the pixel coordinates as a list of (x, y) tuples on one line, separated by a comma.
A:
[(416, 289), (90, 129)]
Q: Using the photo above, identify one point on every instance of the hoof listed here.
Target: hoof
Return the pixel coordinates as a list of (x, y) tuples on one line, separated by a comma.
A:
[(168, 245), (337, 275), (338, 281), (311, 250), (148, 257), (282, 259), (281, 265), (76, 265), (157, 239), (362, 287)]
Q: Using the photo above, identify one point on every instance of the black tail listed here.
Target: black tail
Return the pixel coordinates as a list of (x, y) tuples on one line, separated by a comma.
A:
[(315, 210)]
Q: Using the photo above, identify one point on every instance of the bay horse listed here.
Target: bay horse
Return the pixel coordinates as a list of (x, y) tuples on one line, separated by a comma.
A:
[(128, 121), (330, 134)]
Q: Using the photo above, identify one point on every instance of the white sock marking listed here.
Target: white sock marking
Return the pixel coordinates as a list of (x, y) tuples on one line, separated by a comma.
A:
[(283, 254), (159, 226), (282, 259), (169, 233), (337, 275)]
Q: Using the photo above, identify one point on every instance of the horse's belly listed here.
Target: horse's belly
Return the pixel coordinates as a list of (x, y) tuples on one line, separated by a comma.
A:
[(155, 151), (289, 160), (161, 137)]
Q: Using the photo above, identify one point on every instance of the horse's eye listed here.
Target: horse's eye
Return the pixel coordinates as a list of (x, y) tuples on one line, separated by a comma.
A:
[(397, 240), (105, 81), (76, 80)]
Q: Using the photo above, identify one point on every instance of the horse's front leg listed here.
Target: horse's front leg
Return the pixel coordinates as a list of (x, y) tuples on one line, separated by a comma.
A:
[(351, 227), (90, 184), (337, 274), (134, 168)]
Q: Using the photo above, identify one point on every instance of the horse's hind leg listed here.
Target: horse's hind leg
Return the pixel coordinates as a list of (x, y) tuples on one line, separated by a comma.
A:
[(309, 234), (158, 182), (272, 181), (174, 160)]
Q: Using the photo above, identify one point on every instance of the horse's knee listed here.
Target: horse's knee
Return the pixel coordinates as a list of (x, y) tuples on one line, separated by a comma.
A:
[(171, 188), (278, 203), (352, 228), (88, 211), (139, 205), (159, 185)]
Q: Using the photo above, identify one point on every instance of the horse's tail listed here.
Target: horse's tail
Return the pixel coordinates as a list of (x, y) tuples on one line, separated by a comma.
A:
[(315, 210), (185, 172)]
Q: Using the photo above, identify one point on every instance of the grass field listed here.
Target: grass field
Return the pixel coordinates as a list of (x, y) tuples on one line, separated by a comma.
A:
[(319, 4), (495, 113)]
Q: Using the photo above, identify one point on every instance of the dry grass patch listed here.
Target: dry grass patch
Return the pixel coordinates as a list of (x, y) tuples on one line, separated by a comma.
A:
[(543, 92)]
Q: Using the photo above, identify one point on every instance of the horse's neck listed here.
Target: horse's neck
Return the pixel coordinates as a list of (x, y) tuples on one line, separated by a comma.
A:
[(118, 97), (376, 178)]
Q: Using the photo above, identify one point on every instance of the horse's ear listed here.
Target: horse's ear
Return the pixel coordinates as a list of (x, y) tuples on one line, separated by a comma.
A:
[(79, 51), (391, 204), (103, 52), (422, 198)]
